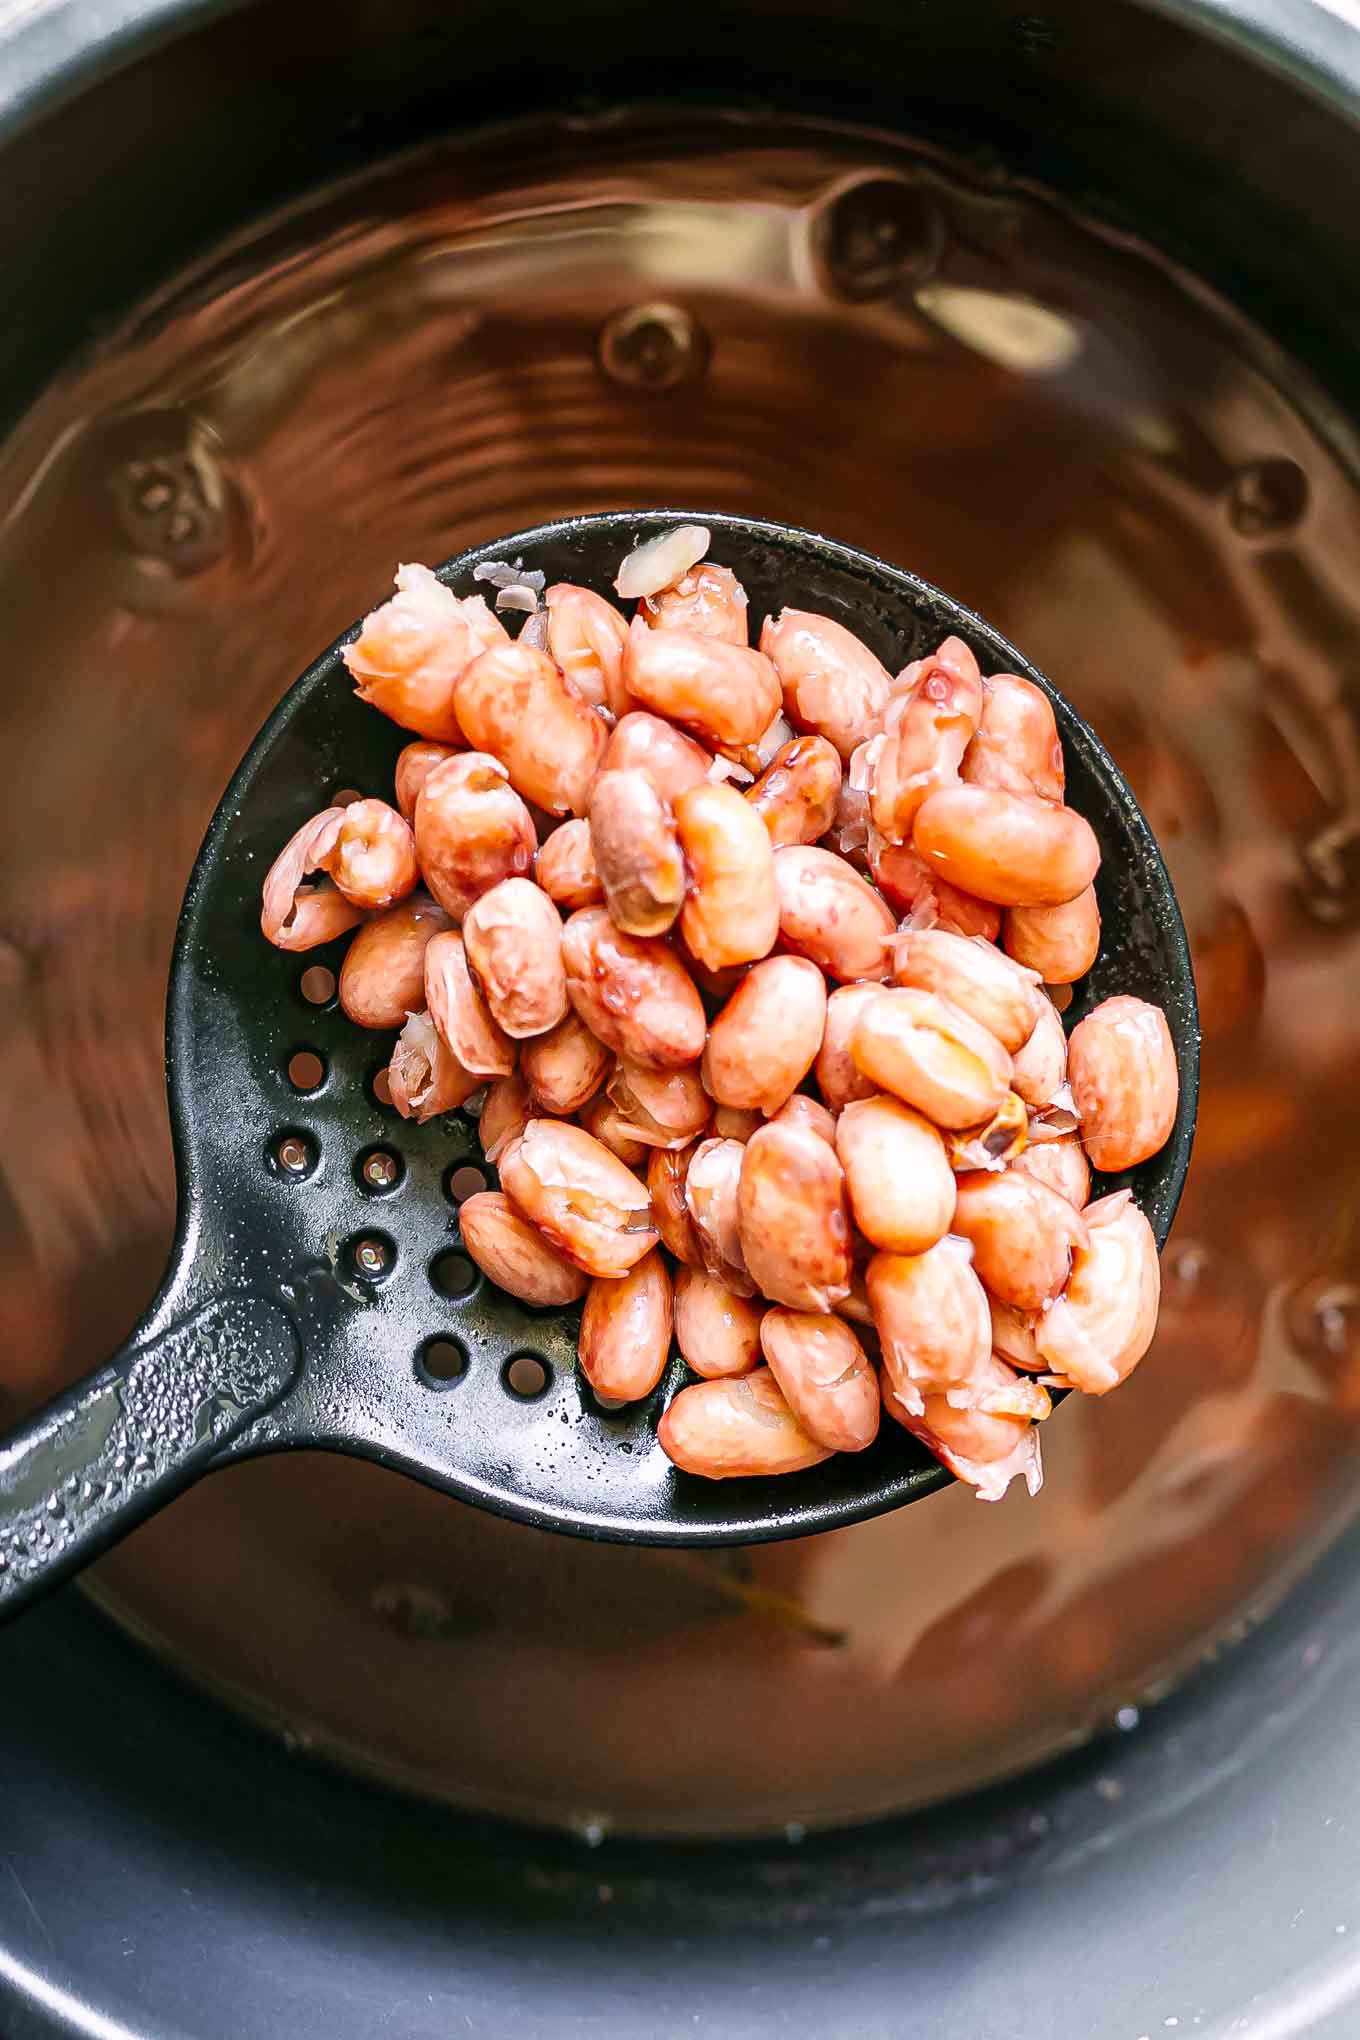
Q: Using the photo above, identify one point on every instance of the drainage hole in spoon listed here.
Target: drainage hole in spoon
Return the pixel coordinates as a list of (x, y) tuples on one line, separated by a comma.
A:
[(453, 1274), (464, 1180), (441, 1362), (306, 1069), (527, 1376), (317, 985)]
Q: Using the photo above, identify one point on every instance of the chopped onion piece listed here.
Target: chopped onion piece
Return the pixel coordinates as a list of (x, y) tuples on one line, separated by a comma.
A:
[(505, 574), (923, 914), (517, 595), (653, 566), (780, 732), (1058, 1117)]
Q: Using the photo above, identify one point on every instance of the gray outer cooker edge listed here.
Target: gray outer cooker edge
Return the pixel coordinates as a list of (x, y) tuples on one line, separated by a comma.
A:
[(168, 1873)]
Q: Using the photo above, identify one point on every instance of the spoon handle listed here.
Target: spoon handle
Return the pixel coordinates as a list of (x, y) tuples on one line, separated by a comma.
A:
[(81, 1471)]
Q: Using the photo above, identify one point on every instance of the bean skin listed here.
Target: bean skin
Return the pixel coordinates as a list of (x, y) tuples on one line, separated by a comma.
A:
[(708, 599), (505, 1113), (459, 1011), (425, 1077), (833, 686), (1000, 1140), (1004, 848), (926, 731), (1016, 748), (661, 1108), (1103, 1323), (1060, 1163), (1023, 1235), (513, 936), (839, 1078), (565, 1067), (514, 703), (758, 757), (583, 1200), (731, 1429), (897, 1173), (717, 1331), (731, 913), (765, 1040), (733, 1122), (382, 978), (411, 650), (987, 1448), (800, 1110), (794, 1218), (667, 1169), (826, 1381), (513, 1255), (1013, 1336), (1039, 1065), (999, 994), (932, 1055), (712, 1191), (601, 1118), (471, 830), (294, 915), (910, 887), (414, 766), (1122, 1067), (587, 638), (725, 693), (797, 793), (930, 1313), (637, 852), (1060, 943), (640, 742), (829, 914), (626, 1331), (634, 995), (565, 867)]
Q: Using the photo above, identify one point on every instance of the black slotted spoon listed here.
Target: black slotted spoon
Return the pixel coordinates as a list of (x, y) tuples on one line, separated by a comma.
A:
[(317, 1295)]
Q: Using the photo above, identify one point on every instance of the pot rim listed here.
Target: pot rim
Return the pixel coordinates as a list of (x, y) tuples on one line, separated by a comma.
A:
[(52, 50)]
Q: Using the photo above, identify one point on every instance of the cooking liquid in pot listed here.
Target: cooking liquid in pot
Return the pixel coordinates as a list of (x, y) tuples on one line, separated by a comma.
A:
[(805, 324)]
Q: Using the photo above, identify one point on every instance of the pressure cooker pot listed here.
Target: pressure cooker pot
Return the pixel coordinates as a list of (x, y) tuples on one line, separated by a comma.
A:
[(1056, 309)]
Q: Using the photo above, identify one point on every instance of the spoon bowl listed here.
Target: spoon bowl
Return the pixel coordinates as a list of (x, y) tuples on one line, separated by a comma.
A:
[(317, 1293)]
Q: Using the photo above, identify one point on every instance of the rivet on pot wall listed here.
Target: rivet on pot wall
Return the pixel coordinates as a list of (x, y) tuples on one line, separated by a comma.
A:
[(1267, 496), (873, 237), (173, 503), (1332, 863), (652, 347)]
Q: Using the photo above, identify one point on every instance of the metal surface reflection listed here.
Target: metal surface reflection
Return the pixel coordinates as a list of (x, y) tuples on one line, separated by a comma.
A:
[(1127, 479)]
